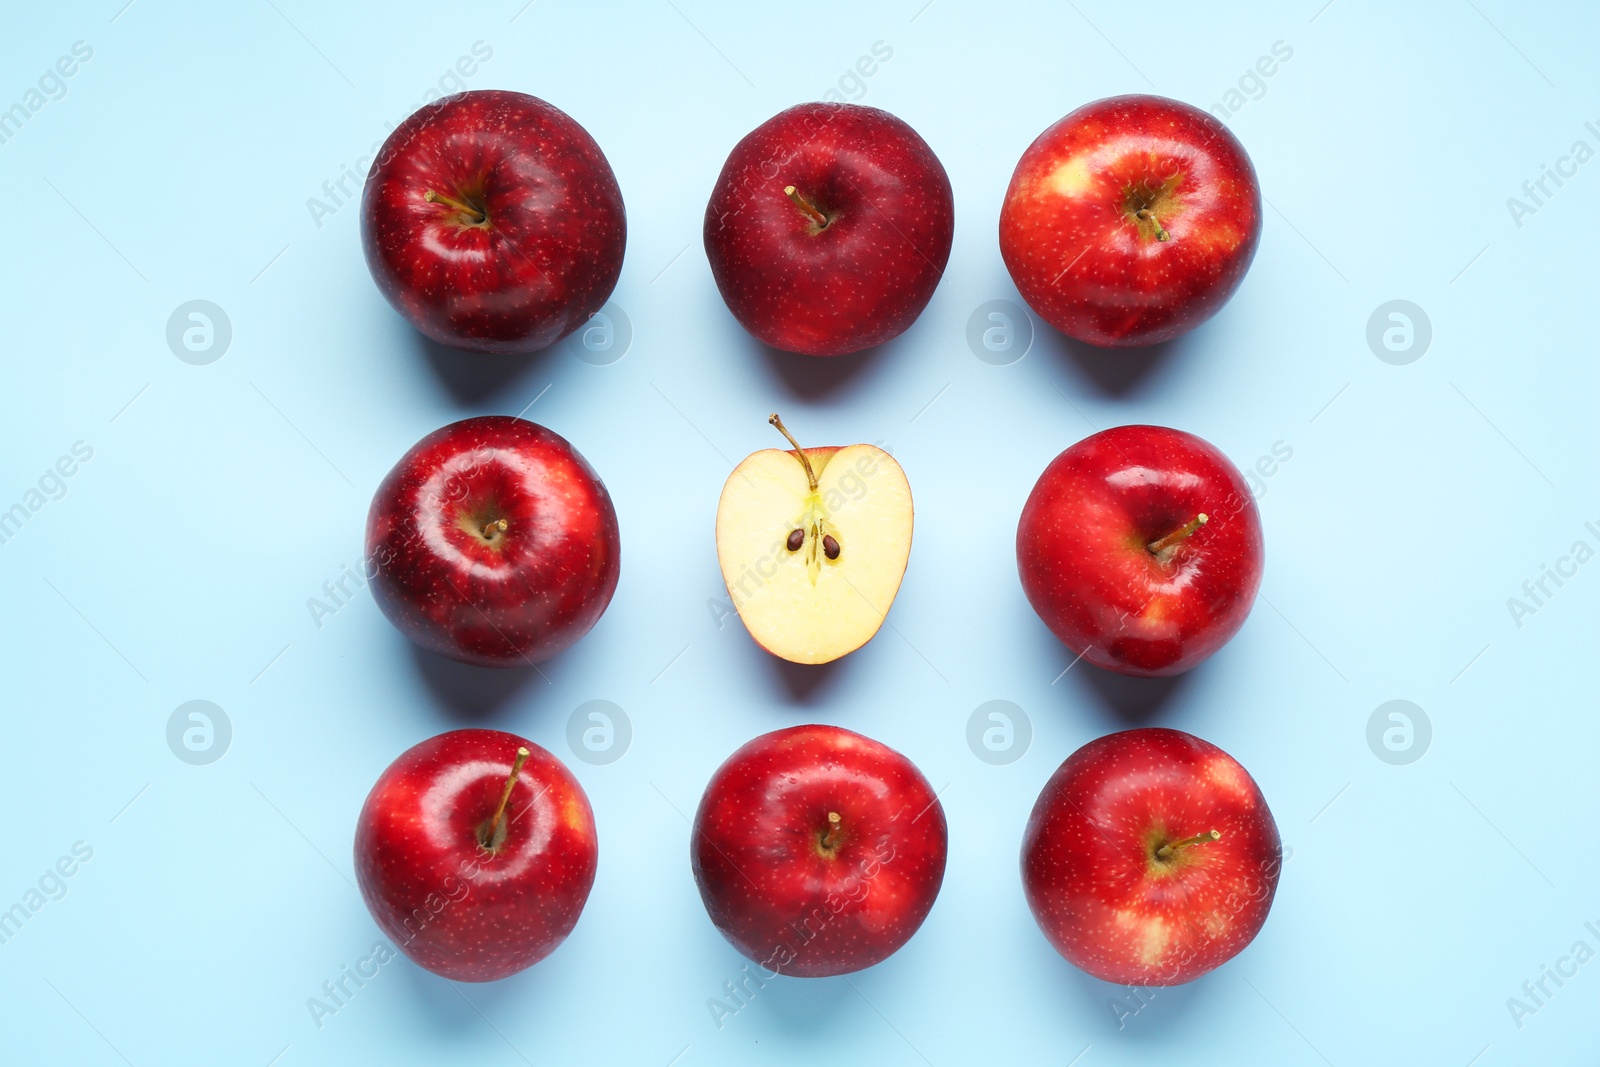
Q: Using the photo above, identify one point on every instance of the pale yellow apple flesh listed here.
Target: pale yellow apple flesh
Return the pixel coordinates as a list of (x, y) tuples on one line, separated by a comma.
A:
[(801, 604)]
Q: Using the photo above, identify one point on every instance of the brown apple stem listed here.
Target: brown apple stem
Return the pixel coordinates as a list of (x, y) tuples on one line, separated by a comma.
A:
[(1144, 215), (492, 528), (807, 208), (505, 794), (466, 209), (1172, 848), (828, 839), (1179, 534), (811, 475)]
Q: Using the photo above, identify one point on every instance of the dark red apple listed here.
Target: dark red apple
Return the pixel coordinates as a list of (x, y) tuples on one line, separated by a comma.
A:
[(493, 542), (829, 228), (492, 221), (1131, 221), (818, 851), (475, 853), (1150, 858), (1140, 548)]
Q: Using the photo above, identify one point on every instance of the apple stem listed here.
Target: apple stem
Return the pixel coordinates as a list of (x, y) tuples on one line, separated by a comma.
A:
[(834, 819), (1144, 215), (498, 526), (811, 475), (466, 209), (807, 208), (1178, 535), (505, 794), (1172, 848)]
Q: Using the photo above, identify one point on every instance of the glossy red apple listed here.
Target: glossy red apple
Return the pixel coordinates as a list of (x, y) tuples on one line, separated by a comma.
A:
[(818, 851), (1131, 221), (475, 853), (829, 228), (1140, 548), (1150, 858), (493, 542), (492, 221)]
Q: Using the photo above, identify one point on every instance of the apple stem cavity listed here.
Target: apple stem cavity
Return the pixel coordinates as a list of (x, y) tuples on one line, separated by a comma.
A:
[(1144, 215), (811, 475), (1164, 546), (807, 208), (829, 840), (491, 836), (473, 215), (1169, 850)]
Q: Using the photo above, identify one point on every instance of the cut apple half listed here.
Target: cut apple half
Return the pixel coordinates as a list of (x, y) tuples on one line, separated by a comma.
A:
[(813, 543)]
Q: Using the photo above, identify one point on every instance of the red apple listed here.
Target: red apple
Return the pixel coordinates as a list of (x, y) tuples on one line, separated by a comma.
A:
[(1140, 548), (492, 221), (493, 542), (475, 852), (818, 851), (1131, 221), (829, 228), (1150, 858)]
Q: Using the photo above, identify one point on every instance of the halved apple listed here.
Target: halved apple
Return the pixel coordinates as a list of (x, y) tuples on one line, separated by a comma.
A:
[(813, 543)]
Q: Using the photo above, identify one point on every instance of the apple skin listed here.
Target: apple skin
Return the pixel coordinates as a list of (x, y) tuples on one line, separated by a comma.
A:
[(546, 256), (511, 598), (1096, 886), (1085, 566), (864, 277), (452, 906), (769, 885), (1087, 265)]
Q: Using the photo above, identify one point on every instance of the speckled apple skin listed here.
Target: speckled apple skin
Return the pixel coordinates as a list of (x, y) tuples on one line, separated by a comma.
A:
[(769, 890), (866, 276), (1084, 266), (1081, 550), (447, 903), (551, 250), (1086, 866), (547, 583)]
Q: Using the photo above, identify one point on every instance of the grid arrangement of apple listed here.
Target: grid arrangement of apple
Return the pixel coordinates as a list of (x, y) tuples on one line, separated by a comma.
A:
[(493, 223)]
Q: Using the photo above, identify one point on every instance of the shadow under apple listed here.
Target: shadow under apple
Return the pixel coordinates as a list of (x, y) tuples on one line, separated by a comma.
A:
[(813, 378), (1157, 1015), (1131, 701), (1124, 699), (794, 1005), (441, 1002), (473, 377), (473, 695), (1115, 372), (1150, 1014), (803, 682)]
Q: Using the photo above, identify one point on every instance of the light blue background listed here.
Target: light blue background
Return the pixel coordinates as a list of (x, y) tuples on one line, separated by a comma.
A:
[(219, 498)]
